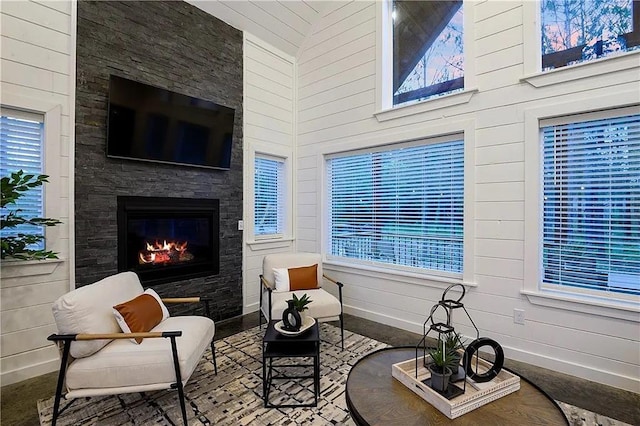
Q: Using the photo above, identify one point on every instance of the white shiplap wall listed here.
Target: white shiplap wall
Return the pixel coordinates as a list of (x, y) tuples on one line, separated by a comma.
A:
[(336, 106), (269, 104), (38, 73)]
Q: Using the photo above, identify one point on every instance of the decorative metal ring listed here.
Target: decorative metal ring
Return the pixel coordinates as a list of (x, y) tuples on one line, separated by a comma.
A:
[(472, 349), (444, 295), (434, 308)]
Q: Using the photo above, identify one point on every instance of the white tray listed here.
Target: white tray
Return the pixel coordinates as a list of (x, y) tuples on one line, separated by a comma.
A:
[(476, 395), (306, 324)]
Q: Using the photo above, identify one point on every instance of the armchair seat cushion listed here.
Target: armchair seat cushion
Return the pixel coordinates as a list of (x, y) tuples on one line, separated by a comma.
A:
[(324, 305), (122, 364)]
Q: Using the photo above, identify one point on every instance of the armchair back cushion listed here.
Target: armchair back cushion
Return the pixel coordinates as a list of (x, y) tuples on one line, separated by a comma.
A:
[(292, 260), (89, 309)]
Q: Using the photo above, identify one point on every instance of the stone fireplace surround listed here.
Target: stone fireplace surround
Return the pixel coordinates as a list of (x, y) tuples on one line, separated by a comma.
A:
[(176, 46)]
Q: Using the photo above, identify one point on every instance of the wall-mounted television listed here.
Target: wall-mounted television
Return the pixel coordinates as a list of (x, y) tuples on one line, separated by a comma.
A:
[(148, 123)]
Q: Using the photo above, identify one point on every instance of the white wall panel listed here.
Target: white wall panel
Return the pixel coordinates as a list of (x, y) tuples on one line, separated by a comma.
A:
[(38, 66), (269, 103), (335, 114)]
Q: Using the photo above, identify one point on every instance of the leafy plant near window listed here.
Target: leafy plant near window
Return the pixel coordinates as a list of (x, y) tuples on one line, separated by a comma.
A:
[(19, 245)]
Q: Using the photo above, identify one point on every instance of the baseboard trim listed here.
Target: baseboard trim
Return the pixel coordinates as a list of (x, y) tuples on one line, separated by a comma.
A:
[(29, 372), (609, 378)]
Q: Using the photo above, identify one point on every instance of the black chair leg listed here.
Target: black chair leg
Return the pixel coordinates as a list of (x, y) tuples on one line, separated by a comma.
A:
[(176, 365), (342, 330), (213, 354), (63, 369)]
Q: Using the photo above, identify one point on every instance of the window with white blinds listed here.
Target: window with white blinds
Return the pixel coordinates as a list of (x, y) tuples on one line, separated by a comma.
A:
[(269, 195), (591, 204), (21, 148), (401, 207)]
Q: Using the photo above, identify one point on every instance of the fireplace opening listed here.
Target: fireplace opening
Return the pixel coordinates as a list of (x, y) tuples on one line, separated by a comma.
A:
[(165, 239)]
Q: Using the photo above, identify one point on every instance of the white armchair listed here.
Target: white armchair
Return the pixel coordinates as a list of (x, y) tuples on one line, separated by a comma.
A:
[(97, 358), (324, 306)]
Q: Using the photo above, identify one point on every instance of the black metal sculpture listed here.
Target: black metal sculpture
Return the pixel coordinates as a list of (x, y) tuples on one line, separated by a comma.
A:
[(449, 343)]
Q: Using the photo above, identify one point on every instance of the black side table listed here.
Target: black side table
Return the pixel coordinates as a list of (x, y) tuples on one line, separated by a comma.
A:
[(275, 345)]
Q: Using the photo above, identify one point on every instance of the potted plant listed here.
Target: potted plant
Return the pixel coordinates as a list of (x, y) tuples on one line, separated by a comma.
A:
[(20, 245), (301, 304), (443, 363), (454, 341)]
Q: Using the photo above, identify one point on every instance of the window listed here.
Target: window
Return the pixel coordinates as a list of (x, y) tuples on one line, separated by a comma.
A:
[(574, 31), (427, 49), (591, 204), (269, 196), (401, 206), (21, 148)]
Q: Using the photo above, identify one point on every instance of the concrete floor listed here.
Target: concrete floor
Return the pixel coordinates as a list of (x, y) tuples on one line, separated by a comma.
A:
[(18, 401)]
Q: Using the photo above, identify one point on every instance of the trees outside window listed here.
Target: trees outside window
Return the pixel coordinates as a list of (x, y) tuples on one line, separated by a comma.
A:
[(574, 31), (428, 56)]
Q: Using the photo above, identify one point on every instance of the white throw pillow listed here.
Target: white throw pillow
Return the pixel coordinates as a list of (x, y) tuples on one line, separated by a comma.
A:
[(281, 276)]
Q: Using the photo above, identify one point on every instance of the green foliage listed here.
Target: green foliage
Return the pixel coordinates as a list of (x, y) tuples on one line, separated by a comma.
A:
[(444, 358), (454, 340), (14, 187), (300, 303)]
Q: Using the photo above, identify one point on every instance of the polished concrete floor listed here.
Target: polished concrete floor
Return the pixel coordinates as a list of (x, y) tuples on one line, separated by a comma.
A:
[(18, 401)]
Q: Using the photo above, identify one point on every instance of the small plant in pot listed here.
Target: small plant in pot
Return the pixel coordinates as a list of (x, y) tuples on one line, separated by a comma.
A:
[(443, 363), (293, 316), (301, 304), (454, 341)]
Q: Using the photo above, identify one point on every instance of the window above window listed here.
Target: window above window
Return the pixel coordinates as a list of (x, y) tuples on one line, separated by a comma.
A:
[(428, 58), (575, 31), (591, 205), (269, 196), (21, 148), (401, 207)]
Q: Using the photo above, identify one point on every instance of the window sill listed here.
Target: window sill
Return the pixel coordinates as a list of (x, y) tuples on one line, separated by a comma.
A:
[(394, 275), (597, 67), (629, 311), (29, 268), (269, 243), (457, 98)]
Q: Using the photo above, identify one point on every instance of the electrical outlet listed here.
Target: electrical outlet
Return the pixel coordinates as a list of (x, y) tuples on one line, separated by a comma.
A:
[(518, 316), (240, 225)]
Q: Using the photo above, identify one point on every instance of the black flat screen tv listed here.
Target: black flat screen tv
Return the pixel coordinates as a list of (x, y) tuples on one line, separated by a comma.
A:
[(151, 124)]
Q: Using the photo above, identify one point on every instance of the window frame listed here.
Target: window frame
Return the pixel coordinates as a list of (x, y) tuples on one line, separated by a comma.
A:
[(282, 197), (21, 114), (534, 289), (464, 129), (271, 240), (51, 150), (384, 68), (611, 66)]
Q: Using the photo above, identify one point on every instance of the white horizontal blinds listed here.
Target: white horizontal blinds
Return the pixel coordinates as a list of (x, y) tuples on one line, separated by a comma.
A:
[(21, 148), (269, 196), (591, 215), (401, 207)]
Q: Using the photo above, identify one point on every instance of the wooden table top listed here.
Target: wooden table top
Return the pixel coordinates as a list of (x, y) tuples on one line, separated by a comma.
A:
[(375, 397)]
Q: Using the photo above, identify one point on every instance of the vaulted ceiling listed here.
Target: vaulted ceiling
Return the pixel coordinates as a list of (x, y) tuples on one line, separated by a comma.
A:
[(282, 23)]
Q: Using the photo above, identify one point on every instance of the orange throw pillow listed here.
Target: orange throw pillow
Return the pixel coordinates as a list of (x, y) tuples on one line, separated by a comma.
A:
[(140, 314), (305, 278)]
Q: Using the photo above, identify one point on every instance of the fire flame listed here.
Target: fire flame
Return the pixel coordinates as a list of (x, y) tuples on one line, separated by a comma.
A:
[(165, 252)]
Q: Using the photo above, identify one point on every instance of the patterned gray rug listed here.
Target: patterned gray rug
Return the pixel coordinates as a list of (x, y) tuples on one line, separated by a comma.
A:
[(234, 396)]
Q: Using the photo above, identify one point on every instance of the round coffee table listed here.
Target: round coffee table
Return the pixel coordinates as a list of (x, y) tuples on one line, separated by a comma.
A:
[(375, 397)]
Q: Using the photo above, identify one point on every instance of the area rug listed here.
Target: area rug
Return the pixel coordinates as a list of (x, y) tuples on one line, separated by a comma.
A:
[(234, 395)]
